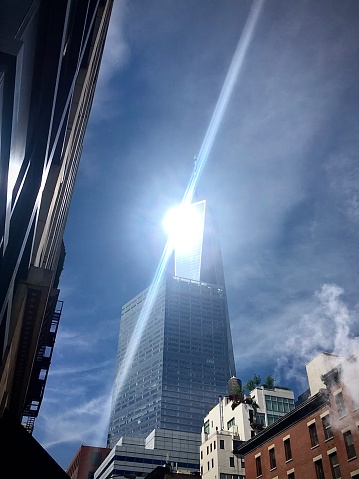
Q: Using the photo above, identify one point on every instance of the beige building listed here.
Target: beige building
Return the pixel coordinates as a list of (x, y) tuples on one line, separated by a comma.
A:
[(318, 366), (227, 424)]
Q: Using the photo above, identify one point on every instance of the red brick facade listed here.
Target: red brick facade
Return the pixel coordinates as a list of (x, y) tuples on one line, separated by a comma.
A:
[(317, 441), (86, 461)]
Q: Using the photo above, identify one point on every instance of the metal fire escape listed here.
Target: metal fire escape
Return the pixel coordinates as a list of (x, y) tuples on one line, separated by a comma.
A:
[(42, 362)]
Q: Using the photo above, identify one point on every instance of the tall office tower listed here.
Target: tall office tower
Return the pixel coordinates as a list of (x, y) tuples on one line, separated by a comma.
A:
[(185, 356), (50, 53)]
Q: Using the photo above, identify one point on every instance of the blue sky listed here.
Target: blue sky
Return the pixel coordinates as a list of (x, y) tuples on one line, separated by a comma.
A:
[(282, 179)]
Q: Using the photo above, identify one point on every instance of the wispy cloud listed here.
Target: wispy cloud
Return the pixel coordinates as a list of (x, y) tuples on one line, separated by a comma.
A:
[(342, 170), (326, 328), (85, 423), (82, 368), (77, 404), (85, 339), (289, 334), (115, 57)]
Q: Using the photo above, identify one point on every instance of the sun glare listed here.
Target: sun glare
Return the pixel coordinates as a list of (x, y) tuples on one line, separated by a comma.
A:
[(183, 225)]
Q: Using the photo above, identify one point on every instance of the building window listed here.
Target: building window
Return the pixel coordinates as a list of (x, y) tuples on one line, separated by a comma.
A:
[(291, 475), (272, 418), (212, 460), (206, 427), (221, 443), (313, 435), (278, 404), (201, 454), (208, 466), (287, 449), (230, 476), (251, 416), (339, 400), (231, 423), (272, 461), (201, 470), (214, 445), (231, 462), (334, 464), (210, 447), (258, 466), (349, 445), (327, 427), (261, 418), (319, 469), (207, 450)]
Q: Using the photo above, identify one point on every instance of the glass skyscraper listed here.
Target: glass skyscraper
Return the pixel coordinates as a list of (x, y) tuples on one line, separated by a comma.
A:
[(185, 356)]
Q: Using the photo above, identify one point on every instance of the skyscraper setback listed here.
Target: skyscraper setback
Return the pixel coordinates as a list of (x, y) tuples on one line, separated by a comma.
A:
[(185, 357)]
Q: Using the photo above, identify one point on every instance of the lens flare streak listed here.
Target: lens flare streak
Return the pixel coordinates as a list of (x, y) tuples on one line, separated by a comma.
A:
[(224, 97)]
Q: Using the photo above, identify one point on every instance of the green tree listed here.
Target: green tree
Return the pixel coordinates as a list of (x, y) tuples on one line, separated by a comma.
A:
[(253, 383), (269, 382)]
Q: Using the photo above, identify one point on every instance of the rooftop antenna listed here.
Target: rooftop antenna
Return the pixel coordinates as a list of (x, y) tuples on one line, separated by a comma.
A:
[(195, 196)]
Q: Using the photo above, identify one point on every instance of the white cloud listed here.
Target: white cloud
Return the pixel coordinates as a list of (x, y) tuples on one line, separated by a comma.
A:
[(81, 369), (116, 51), (85, 338), (327, 328), (350, 375), (342, 171), (290, 334), (84, 423), (115, 57)]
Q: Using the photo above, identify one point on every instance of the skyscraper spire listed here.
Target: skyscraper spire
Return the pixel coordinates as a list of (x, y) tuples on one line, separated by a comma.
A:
[(195, 195)]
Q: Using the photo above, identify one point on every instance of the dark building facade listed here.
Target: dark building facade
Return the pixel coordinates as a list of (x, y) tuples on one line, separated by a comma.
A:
[(50, 53), (166, 472), (184, 356)]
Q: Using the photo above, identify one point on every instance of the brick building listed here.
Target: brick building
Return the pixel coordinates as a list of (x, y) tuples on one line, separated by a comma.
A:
[(86, 461), (319, 439)]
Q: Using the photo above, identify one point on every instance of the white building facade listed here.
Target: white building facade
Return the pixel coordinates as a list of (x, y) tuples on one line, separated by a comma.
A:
[(225, 424), (319, 365)]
